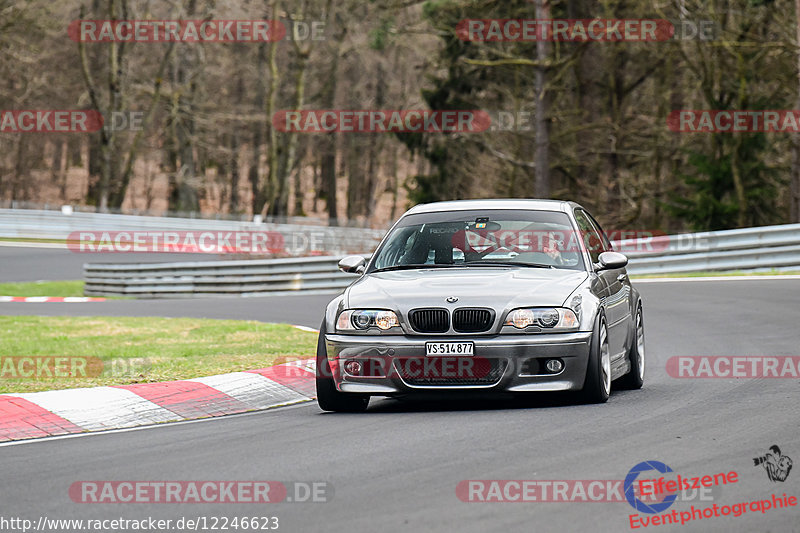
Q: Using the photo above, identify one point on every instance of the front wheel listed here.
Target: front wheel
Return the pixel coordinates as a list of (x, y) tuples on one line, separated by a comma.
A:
[(634, 379), (597, 385), (328, 397)]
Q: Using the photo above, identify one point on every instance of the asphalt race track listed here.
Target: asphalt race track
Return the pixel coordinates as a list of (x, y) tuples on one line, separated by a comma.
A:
[(292, 309), (396, 467), (22, 263)]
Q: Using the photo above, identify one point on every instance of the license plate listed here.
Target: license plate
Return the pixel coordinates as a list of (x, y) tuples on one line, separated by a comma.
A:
[(449, 348)]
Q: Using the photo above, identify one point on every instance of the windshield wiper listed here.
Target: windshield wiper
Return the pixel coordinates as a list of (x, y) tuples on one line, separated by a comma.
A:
[(412, 267), (507, 263)]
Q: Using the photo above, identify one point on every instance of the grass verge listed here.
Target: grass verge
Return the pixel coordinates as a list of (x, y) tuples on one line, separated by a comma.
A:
[(42, 288), (142, 350), (33, 240)]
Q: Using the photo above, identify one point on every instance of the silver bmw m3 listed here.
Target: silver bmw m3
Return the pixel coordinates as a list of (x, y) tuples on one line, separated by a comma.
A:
[(513, 296)]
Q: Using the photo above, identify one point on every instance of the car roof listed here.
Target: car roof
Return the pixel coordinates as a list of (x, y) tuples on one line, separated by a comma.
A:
[(509, 203)]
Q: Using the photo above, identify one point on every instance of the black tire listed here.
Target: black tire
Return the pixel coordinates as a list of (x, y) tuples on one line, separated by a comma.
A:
[(328, 397), (594, 389), (635, 378)]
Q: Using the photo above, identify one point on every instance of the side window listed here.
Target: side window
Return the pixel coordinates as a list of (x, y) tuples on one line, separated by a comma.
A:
[(606, 243), (398, 248), (590, 235)]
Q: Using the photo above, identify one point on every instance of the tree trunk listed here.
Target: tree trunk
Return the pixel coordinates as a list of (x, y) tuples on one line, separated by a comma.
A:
[(294, 165), (233, 164), (542, 157), (794, 198), (273, 193), (736, 174), (328, 148), (19, 185), (328, 100), (183, 191)]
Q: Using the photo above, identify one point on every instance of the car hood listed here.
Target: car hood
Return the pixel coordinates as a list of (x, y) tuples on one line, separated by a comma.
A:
[(494, 287)]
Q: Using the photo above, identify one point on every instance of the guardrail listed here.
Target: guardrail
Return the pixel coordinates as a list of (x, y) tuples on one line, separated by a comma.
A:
[(739, 249), (21, 205), (252, 277), (299, 239), (743, 249)]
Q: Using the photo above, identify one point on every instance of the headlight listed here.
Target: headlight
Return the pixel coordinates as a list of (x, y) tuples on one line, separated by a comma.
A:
[(553, 318), (575, 305), (363, 319)]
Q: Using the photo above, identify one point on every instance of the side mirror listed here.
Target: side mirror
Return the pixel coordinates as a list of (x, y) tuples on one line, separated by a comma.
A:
[(611, 261), (353, 264)]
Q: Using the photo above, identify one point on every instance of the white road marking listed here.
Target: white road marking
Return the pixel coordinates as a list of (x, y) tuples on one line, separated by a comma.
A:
[(20, 244), (309, 365), (251, 389), (100, 408), (141, 428), (50, 299), (305, 328)]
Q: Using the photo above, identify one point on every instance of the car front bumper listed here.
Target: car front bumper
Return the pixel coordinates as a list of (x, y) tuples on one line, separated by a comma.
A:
[(509, 356)]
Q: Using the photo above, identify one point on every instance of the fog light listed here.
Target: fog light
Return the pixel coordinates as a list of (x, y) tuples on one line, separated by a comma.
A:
[(554, 365), (353, 368)]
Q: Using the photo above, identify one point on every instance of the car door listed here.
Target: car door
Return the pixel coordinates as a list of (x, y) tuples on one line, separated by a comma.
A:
[(615, 282)]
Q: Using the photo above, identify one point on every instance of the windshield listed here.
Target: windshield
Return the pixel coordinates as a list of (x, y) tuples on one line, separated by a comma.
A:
[(510, 238)]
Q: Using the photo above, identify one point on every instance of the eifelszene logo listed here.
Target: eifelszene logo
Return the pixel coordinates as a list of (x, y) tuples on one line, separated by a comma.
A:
[(777, 466), (654, 496), (629, 488)]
